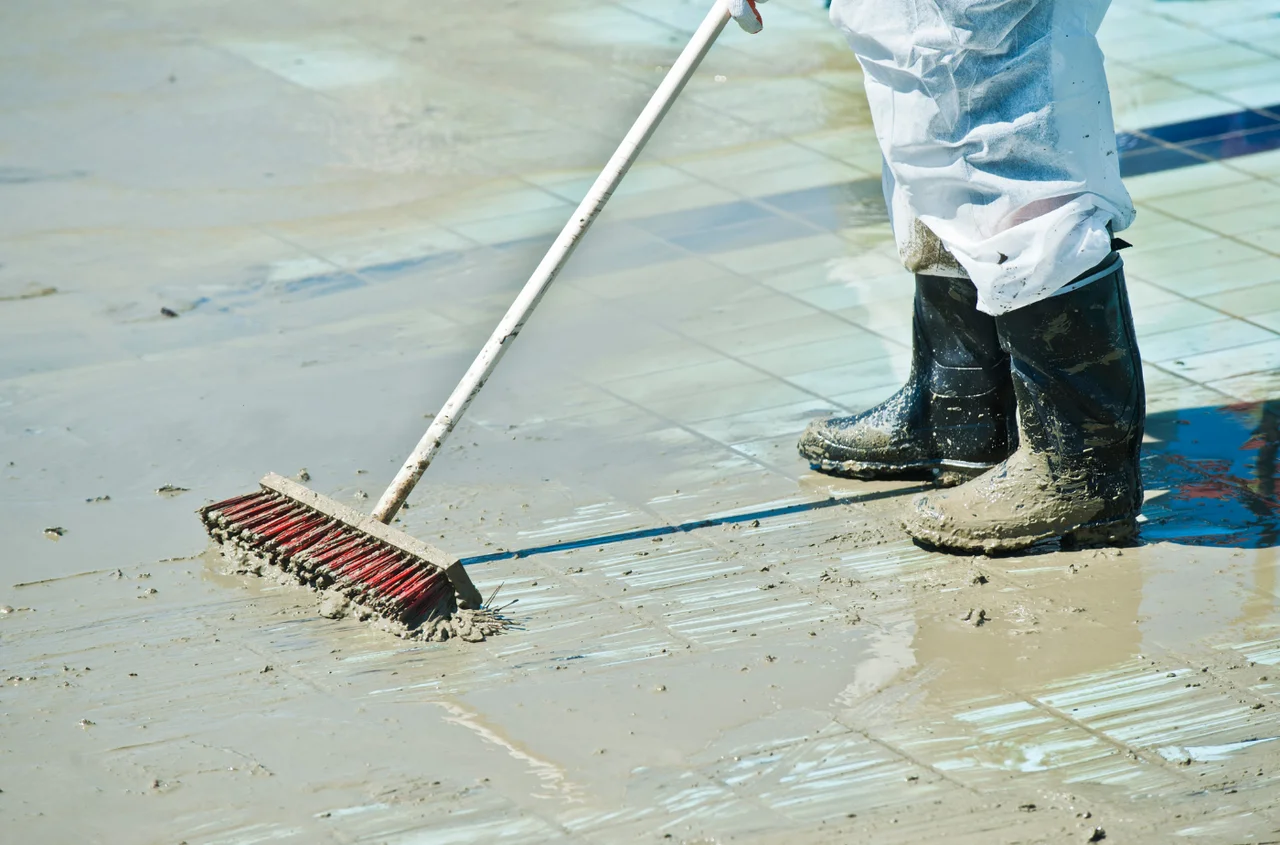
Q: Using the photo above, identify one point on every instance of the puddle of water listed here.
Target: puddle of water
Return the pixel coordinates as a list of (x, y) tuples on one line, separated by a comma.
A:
[(1219, 467), (1039, 624)]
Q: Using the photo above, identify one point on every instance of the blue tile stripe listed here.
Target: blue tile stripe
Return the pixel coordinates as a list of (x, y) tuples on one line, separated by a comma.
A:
[(796, 214), (694, 525), (1204, 139), (828, 208)]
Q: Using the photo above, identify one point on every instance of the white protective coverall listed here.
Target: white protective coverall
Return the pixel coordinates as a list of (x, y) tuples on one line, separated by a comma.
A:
[(994, 118)]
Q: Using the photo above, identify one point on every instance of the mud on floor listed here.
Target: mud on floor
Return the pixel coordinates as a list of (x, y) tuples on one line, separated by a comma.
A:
[(810, 677)]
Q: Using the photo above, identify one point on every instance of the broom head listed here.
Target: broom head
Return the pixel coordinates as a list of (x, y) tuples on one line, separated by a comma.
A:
[(329, 546)]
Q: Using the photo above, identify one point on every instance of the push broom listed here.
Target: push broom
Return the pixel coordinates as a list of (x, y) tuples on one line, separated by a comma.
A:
[(330, 546)]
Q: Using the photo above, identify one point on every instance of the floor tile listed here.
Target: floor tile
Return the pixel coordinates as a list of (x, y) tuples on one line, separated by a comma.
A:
[(1151, 320), (765, 261), (1203, 177), (1263, 385), (1243, 270), (1245, 221), (1270, 319), (1267, 239), (1168, 233), (1189, 395), (1180, 344), (663, 200), (1213, 368), (750, 163), (802, 176), (1144, 295), (855, 345), (1199, 205), (1209, 58), (641, 178), (815, 327), (1263, 164), (746, 314), (1245, 302), (713, 641), (849, 378), (685, 381), (756, 425)]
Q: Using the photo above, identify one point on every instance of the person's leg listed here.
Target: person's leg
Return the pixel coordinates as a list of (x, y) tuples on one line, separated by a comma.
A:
[(1077, 375), (953, 418), (995, 122)]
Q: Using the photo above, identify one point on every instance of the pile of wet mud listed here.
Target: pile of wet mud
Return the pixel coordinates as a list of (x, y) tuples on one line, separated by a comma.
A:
[(471, 626), (447, 623)]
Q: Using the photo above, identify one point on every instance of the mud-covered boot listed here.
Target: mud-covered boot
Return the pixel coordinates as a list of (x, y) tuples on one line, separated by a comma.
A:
[(954, 417), (1081, 409)]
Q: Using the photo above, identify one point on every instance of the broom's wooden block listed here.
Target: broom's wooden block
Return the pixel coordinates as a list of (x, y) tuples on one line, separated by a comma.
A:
[(468, 596)]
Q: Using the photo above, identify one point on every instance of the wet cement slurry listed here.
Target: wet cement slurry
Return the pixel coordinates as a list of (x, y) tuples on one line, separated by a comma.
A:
[(337, 206)]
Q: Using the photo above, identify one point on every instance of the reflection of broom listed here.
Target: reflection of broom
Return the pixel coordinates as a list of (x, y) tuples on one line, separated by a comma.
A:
[(326, 544)]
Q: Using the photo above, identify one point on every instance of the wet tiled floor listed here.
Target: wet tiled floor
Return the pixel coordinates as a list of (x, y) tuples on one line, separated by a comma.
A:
[(715, 643)]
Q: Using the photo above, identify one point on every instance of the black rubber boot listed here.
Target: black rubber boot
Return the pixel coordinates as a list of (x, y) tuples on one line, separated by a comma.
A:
[(1081, 409), (954, 417)]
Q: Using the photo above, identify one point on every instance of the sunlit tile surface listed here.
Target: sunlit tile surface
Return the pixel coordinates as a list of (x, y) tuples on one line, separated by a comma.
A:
[(714, 643)]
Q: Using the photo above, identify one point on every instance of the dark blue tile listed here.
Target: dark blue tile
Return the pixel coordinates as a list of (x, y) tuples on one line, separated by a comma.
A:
[(832, 207), (614, 247), (679, 223), (1243, 144), (1131, 142), (794, 214), (1220, 136), (743, 235), (1210, 127), (845, 192), (1156, 160)]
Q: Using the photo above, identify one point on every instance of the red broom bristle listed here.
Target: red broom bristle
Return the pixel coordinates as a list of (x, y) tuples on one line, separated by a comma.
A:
[(321, 549), (252, 509), (363, 567), (425, 595), (313, 533)]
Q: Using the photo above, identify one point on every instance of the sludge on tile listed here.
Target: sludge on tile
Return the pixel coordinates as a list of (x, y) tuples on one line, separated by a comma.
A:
[(867, 705)]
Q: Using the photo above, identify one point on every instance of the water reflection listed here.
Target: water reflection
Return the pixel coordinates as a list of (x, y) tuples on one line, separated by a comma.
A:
[(1218, 466)]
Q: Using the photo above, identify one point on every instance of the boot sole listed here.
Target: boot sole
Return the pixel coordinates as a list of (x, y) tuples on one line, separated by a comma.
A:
[(1113, 532), (944, 473)]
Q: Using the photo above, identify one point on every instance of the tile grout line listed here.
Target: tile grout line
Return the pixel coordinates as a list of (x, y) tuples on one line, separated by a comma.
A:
[(1145, 756), (770, 376)]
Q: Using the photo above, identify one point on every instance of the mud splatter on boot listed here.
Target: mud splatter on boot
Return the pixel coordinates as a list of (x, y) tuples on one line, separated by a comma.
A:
[(952, 419), (1081, 409)]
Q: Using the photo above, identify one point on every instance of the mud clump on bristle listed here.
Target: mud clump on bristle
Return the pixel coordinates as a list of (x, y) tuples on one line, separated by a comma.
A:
[(273, 535)]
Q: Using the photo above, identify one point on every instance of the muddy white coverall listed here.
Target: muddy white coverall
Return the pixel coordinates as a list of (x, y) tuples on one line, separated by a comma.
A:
[(994, 118)]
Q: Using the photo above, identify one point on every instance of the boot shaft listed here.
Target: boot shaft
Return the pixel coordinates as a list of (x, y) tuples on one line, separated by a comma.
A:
[(959, 395), (1077, 373), (954, 416), (1075, 476), (956, 348)]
